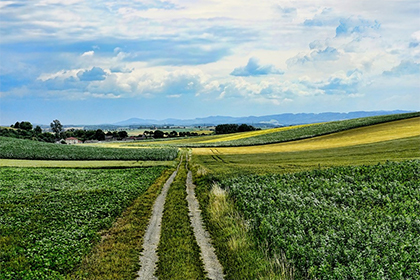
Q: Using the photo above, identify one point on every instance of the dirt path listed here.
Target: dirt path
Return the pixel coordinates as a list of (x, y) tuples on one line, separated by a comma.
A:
[(211, 263), (149, 257)]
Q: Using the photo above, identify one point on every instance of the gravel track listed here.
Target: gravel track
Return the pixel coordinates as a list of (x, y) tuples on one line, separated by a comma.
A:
[(149, 257), (211, 264)]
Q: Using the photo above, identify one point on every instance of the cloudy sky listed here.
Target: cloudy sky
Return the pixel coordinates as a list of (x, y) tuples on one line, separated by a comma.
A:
[(91, 62)]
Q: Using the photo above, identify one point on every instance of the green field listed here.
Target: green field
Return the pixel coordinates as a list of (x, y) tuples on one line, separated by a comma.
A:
[(50, 218), (339, 223), (337, 200), (11, 148)]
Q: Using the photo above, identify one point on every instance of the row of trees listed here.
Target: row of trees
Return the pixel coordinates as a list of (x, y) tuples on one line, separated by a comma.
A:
[(25, 130), (233, 128)]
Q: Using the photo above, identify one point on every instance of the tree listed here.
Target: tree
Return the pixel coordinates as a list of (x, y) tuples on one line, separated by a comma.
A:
[(57, 128), (25, 126), (122, 134), (17, 125), (38, 129), (99, 135), (158, 134)]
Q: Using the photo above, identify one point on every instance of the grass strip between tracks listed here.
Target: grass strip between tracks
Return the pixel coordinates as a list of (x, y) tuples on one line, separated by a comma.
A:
[(179, 254)]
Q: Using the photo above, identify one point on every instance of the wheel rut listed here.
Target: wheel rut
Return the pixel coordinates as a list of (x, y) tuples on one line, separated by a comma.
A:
[(149, 257), (211, 263)]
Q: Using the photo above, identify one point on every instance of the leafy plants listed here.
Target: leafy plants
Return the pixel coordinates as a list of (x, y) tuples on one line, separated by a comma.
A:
[(11, 148), (343, 222), (49, 218)]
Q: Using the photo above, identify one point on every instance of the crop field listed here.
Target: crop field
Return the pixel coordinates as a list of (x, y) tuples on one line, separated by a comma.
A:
[(50, 218), (269, 136), (302, 132), (83, 163), (11, 148), (340, 223), (337, 200)]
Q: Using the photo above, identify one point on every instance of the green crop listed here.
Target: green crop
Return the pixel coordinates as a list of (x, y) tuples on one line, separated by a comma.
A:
[(49, 218), (339, 223), (11, 148)]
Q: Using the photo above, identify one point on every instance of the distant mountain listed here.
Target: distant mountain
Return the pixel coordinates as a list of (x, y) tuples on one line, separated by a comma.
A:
[(269, 120)]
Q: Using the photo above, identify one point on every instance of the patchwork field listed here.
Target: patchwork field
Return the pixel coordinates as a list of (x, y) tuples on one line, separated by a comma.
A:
[(320, 201)]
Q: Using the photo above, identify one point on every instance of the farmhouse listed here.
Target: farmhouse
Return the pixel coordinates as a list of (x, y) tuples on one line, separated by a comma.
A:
[(73, 140)]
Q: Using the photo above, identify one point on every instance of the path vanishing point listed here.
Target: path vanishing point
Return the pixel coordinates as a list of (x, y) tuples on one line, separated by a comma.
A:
[(149, 257)]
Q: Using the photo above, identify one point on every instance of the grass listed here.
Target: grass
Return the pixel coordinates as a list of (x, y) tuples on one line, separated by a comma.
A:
[(178, 251), (49, 218), (237, 250), (117, 255)]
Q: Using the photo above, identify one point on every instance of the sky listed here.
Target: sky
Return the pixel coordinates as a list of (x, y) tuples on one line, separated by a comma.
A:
[(96, 62)]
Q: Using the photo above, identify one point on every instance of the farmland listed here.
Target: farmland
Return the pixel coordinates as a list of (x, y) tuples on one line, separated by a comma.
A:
[(320, 201), (26, 149), (346, 222), (50, 217)]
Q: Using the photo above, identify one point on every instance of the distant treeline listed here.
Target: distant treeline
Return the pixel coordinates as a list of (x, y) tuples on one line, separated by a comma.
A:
[(25, 130), (233, 128)]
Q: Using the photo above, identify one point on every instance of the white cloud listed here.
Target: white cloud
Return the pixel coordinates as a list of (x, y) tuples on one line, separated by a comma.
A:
[(89, 53)]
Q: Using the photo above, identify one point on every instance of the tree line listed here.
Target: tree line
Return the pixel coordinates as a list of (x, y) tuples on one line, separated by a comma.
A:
[(234, 128)]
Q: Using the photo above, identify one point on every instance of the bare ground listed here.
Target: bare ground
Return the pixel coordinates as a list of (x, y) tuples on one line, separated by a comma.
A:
[(211, 264), (149, 257)]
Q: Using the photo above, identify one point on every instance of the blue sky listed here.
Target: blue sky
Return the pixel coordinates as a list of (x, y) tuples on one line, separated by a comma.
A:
[(92, 62)]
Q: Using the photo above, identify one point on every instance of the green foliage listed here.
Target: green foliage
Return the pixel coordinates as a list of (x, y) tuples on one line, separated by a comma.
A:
[(49, 218), (117, 255), (56, 127), (35, 134), (340, 223), (307, 131), (158, 134), (11, 148), (233, 128)]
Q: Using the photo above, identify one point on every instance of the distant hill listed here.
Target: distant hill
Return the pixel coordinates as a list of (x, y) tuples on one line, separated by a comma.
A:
[(269, 120)]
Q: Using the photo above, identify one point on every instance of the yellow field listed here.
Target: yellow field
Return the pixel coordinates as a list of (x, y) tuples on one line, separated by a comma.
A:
[(364, 135), (248, 134)]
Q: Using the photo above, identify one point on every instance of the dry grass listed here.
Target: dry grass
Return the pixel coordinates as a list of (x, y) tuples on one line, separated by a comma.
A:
[(358, 136)]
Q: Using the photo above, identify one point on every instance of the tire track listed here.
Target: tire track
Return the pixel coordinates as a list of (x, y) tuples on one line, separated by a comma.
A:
[(212, 266), (149, 257)]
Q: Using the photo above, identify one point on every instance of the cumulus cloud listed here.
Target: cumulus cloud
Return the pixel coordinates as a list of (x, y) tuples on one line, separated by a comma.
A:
[(343, 83), (327, 54), (253, 68), (94, 74), (404, 68), (354, 25)]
